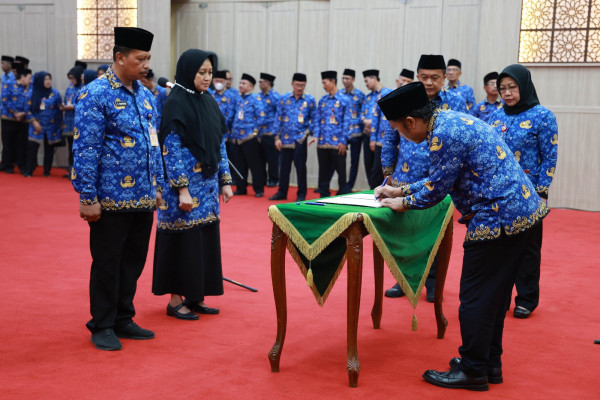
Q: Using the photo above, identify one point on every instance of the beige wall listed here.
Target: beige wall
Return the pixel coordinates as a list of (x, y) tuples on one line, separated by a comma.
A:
[(282, 37)]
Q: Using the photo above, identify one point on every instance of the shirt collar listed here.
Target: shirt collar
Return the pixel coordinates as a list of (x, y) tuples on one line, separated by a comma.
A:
[(115, 82)]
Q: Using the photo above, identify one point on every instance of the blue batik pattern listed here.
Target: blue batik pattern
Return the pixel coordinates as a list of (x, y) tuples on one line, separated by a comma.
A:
[(114, 160), (532, 137), (465, 91), (160, 98), (69, 115), (370, 110), (474, 165), (247, 118), (296, 119), (50, 117), (226, 102), (355, 99), (334, 121), (447, 100), (7, 80), (406, 161), (484, 109), (19, 100), (269, 111), (183, 170)]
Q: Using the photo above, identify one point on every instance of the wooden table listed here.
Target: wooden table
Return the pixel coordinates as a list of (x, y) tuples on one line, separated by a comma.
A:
[(354, 235)]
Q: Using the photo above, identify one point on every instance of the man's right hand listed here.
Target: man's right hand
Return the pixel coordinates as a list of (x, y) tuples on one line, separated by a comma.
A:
[(90, 212), (278, 144)]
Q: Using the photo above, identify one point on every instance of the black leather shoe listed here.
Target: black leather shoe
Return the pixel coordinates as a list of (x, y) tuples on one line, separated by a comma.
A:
[(272, 183), (301, 198), (259, 194), (133, 331), (455, 379), (521, 312), (106, 340), (200, 309), (240, 192), (494, 374), (278, 196), (174, 312), (394, 291)]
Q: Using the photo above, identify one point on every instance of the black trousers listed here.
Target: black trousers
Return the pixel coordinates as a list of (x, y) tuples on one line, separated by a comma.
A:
[(70, 147), (355, 147), (32, 152), (488, 275), (528, 277), (329, 159), (376, 174), (14, 144), (368, 157), (249, 155), (298, 155), (271, 158), (119, 245)]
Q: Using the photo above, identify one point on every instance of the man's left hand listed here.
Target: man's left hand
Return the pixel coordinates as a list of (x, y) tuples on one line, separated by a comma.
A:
[(341, 149), (395, 203)]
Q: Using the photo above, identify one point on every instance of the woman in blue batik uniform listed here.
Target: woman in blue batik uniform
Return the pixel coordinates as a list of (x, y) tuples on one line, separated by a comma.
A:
[(68, 107), (187, 257), (46, 116), (531, 133)]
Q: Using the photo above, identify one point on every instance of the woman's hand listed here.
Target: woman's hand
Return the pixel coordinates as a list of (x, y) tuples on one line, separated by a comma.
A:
[(393, 203), (37, 127), (227, 193), (185, 199), (341, 149), (278, 144)]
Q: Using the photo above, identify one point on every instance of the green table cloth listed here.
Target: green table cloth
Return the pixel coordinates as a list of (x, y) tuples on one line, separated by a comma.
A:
[(408, 241)]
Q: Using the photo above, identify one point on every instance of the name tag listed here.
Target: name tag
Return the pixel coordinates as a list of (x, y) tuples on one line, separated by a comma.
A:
[(153, 136), (332, 119), (241, 114), (120, 104), (300, 118)]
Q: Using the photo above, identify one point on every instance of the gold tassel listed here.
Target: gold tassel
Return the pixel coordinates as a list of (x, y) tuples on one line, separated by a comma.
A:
[(414, 322), (309, 277)]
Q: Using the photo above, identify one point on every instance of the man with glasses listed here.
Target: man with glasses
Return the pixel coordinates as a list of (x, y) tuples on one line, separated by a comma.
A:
[(453, 73), (492, 102)]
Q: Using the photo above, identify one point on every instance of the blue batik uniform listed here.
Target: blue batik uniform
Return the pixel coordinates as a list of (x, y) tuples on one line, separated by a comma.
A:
[(532, 137), (233, 92), (50, 117), (160, 97), (183, 170), (20, 99), (269, 111), (8, 80), (475, 166), (447, 100), (115, 162), (407, 162), (355, 103), (465, 91), (69, 116), (296, 119), (371, 111), (247, 118), (334, 121), (484, 109), (226, 102)]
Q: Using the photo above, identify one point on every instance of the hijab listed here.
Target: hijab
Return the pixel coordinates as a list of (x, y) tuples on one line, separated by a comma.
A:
[(39, 91), (76, 73), (527, 91), (194, 116), (89, 75), (103, 68)]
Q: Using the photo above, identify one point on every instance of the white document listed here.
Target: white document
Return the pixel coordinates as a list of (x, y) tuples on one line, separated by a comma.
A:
[(355, 199)]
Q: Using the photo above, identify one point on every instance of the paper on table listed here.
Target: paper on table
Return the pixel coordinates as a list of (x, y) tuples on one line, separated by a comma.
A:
[(355, 199)]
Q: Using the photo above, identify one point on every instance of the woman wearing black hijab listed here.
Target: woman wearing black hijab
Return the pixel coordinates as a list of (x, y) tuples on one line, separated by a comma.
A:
[(530, 131), (187, 255)]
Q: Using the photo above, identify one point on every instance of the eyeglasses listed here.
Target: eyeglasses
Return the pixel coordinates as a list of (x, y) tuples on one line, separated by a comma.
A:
[(509, 88)]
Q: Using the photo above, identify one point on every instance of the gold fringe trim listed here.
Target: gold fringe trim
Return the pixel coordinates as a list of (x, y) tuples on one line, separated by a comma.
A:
[(310, 251), (320, 299)]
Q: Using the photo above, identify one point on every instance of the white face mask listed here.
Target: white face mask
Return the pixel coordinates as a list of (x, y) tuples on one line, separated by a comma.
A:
[(219, 86)]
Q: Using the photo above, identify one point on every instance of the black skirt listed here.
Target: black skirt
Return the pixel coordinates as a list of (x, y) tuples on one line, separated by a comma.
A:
[(188, 263)]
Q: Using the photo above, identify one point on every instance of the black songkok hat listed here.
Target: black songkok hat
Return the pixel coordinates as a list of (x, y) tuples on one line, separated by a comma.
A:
[(149, 74), (81, 64), (220, 74), (371, 72), (20, 67), (8, 58), (267, 77), (407, 73), (431, 61), (403, 100), (133, 38), (249, 78), (22, 59), (454, 62), (489, 77), (329, 75), (299, 77), (350, 72)]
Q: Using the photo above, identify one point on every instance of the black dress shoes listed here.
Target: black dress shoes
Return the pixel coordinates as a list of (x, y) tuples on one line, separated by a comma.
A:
[(494, 374), (394, 291), (455, 379), (278, 196), (106, 340), (239, 192), (301, 198), (194, 306), (521, 312), (133, 331), (174, 312), (259, 194), (272, 183)]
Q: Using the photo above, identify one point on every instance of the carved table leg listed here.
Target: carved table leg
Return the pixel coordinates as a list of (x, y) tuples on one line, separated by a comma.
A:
[(354, 257), (378, 272), (443, 258), (278, 245)]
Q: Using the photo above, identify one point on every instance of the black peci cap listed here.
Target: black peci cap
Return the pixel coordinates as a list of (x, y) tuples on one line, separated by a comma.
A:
[(403, 100), (220, 74), (133, 38), (298, 77), (371, 72), (22, 59), (407, 73), (431, 61), (454, 62), (329, 75), (350, 72), (249, 78), (8, 58), (81, 64), (267, 77), (489, 77)]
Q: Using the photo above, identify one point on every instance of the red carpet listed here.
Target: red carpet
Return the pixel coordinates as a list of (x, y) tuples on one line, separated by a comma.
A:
[(46, 353)]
